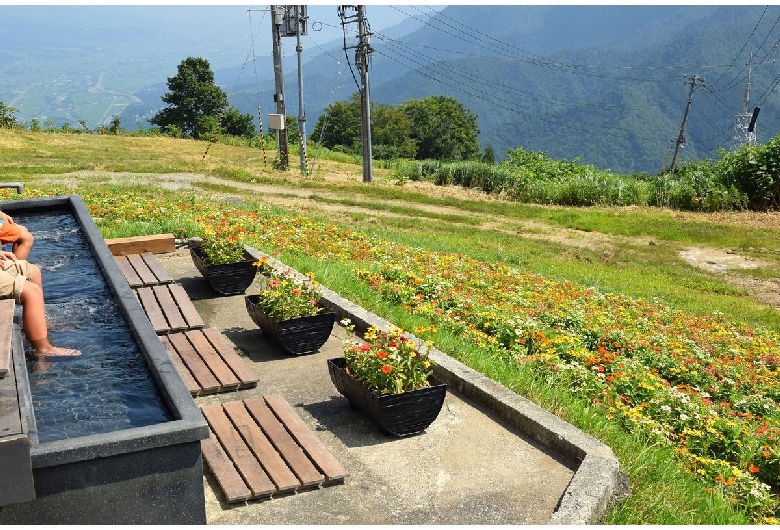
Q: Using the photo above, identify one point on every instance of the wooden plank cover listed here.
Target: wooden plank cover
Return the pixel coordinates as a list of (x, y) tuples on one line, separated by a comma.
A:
[(189, 382), (128, 271), (265, 435), (235, 447), (156, 268), (152, 309), (227, 379), (310, 444), (227, 476), (228, 353), (141, 269), (188, 311), (169, 308), (199, 370), (261, 447), (306, 472)]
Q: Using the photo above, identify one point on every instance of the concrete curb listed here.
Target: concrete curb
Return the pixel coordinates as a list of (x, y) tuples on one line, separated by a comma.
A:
[(597, 482)]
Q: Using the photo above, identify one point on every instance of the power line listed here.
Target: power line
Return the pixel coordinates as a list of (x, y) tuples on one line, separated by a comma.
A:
[(489, 42), (743, 47), (400, 48)]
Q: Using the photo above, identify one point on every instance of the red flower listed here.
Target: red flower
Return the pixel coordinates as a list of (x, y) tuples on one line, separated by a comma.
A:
[(365, 347), (753, 468)]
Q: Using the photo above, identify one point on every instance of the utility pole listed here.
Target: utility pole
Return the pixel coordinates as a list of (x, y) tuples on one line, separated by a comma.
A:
[(299, 13), (362, 51), (744, 126), (277, 19), (694, 82)]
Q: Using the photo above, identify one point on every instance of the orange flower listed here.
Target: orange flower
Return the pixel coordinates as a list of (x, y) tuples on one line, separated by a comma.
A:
[(386, 369), (381, 354), (753, 468)]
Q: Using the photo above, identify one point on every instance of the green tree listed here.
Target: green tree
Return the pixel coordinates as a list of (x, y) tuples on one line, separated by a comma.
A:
[(192, 96), (7, 116), (339, 124), (443, 128), (235, 123), (390, 129), (390, 133)]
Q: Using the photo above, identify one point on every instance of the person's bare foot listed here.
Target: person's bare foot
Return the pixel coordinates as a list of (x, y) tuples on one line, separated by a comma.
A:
[(54, 351)]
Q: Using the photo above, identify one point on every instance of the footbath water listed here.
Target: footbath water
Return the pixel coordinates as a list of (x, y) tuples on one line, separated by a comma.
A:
[(109, 386)]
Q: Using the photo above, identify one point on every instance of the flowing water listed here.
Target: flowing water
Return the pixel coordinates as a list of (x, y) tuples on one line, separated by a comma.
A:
[(109, 386)]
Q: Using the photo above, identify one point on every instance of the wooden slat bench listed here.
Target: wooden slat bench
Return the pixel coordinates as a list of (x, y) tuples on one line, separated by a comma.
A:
[(169, 308), (6, 334), (207, 362), (260, 446), (142, 270), (16, 479)]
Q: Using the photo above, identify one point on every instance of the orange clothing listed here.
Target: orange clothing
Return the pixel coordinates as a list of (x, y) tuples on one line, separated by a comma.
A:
[(9, 231)]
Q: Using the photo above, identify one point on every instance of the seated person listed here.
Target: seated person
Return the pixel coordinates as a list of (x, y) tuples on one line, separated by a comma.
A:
[(22, 280), (10, 232)]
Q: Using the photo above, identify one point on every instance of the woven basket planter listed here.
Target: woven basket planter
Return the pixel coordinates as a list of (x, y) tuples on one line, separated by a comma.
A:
[(296, 336), (399, 415), (226, 278)]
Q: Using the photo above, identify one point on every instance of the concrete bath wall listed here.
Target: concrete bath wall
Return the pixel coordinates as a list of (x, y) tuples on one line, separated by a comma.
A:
[(143, 475)]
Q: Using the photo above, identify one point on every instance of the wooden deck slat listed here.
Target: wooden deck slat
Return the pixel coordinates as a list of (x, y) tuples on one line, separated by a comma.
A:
[(311, 445), (227, 476), (152, 309), (186, 307), (227, 379), (169, 308), (6, 334), (189, 382), (228, 353), (141, 269), (303, 468), (235, 447), (128, 271), (208, 383), (264, 451), (156, 268)]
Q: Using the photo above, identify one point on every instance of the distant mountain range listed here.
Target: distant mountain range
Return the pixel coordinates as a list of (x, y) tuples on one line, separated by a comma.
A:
[(605, 84)]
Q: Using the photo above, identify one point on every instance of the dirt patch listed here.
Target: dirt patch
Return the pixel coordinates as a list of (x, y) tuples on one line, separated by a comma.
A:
[(720, 260), (725, 260)]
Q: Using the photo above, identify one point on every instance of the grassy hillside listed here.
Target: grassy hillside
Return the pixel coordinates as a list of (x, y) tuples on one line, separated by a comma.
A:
[(345, 232)]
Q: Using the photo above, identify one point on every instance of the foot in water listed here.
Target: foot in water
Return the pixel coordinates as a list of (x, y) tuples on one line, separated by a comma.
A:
[(54, 351)]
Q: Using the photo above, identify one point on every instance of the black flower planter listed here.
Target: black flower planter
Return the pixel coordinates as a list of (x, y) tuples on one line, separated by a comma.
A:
[(226, 278), (399, 415), (296, 336)]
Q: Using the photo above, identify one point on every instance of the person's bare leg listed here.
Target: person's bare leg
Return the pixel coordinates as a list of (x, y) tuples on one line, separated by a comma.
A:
[(34, 322), (35, 275), (23, 245)]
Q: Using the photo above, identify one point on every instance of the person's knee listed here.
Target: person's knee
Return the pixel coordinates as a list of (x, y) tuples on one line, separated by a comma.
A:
[(31, 292), (35, 273)]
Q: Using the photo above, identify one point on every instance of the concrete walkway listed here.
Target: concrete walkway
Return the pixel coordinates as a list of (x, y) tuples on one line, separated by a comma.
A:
[(491, 457)]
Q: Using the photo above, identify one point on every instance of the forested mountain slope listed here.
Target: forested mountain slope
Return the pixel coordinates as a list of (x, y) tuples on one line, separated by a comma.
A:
[(602, 83)]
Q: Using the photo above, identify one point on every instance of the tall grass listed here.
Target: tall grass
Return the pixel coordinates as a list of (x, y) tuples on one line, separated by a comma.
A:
[(533, 178)]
